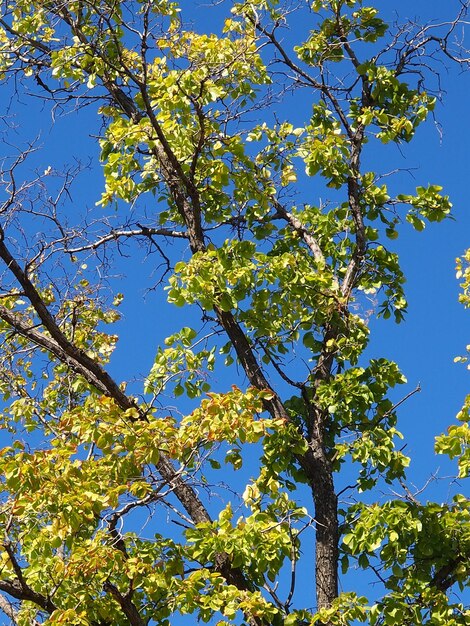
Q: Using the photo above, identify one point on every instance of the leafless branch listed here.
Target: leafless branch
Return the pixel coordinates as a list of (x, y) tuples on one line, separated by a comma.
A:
[(114, 235)]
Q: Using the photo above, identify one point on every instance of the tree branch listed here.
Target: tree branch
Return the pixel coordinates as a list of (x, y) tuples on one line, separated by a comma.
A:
[(114, 235), (125, 602), (300, 229), (23, 592)]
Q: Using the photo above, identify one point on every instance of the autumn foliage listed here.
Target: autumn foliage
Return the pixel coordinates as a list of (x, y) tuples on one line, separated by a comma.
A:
[(195, 487)]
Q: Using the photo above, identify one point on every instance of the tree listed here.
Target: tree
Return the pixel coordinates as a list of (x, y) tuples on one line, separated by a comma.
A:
[(276, 287)]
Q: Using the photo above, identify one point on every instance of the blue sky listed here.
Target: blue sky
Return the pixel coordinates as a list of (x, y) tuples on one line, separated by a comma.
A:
[(436, 328)]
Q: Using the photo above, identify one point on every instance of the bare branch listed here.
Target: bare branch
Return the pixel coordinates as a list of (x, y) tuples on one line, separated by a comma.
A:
[(16, 589), (299, 228), (114, 235)]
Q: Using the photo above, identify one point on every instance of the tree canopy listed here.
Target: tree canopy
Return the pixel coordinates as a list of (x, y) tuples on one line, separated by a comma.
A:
[(244, 158)]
